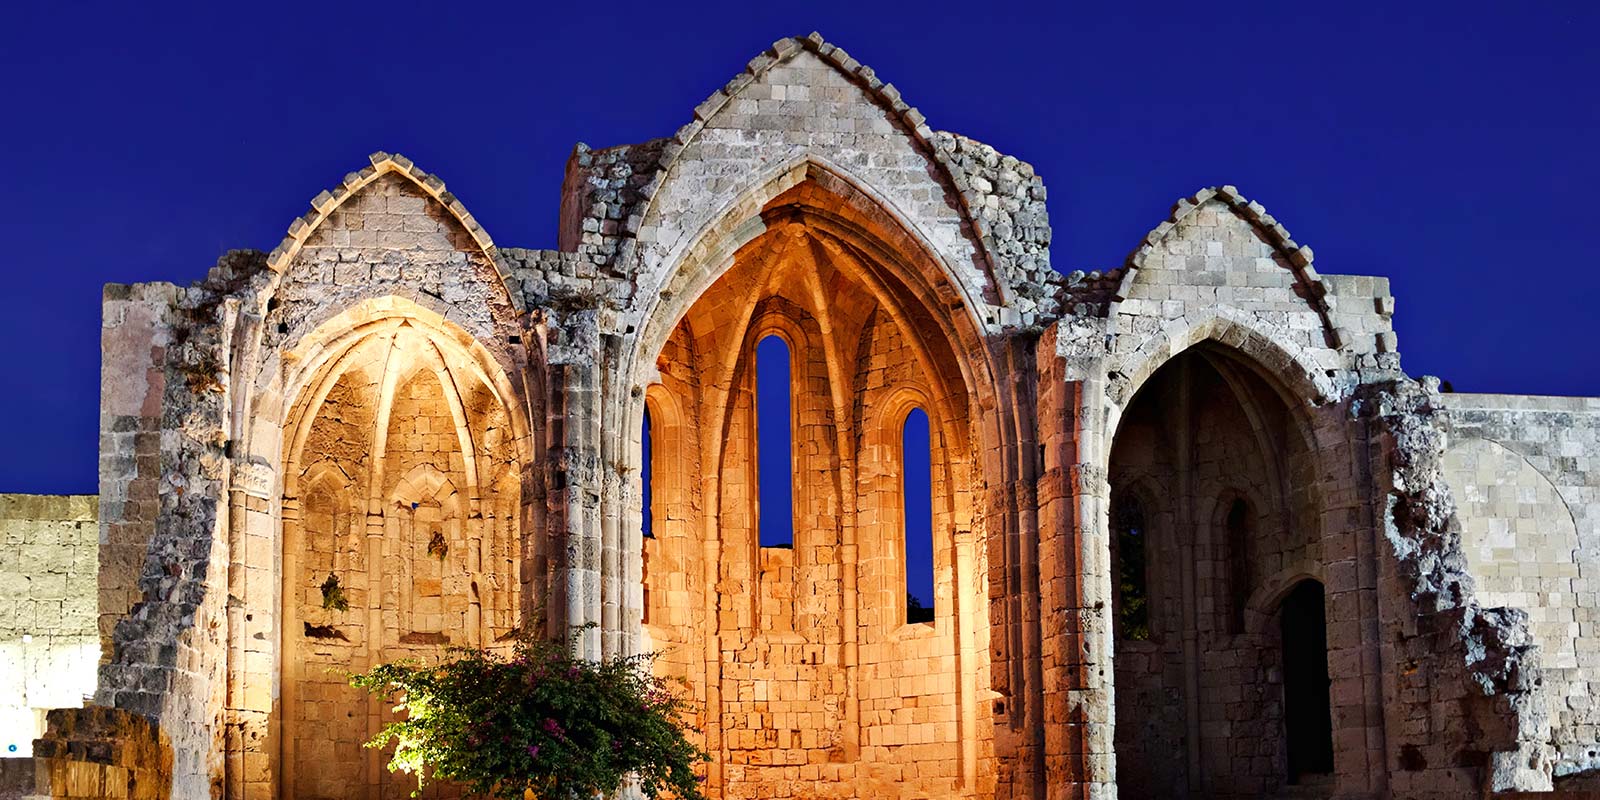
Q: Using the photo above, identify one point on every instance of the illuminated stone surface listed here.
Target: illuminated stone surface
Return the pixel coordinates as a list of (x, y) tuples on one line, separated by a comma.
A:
[(390, 435)]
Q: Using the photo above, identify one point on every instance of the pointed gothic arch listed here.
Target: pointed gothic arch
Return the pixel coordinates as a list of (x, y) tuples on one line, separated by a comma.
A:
[(847, 288), (421, 429), (857, 211), (1202, 424), (1293, 371)]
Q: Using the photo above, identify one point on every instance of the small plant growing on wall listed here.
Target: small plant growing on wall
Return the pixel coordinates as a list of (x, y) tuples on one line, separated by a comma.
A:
[(537, 724), (333, 598), (436, 546)]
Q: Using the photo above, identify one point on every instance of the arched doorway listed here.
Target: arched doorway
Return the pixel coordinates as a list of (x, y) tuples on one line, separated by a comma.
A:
[(401, 494), (1211, 495), (1307, 715)]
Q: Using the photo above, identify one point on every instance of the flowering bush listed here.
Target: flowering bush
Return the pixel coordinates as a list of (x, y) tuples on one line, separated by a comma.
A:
[(539, 723)]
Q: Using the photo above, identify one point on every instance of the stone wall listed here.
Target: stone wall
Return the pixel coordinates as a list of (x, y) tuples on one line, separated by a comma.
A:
[(1464, 707), (816, 681), (163, 476), (1222, 278), (48, 644), (387, 372), (94, 753), (1525, 472), (381, 453), (134, 333)]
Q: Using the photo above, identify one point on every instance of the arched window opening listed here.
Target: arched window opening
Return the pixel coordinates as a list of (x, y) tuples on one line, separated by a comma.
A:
[(774, 444), (1307, 711), (647, 510), (1133, 586), (1239, 532), (647, 479), (916, 491)]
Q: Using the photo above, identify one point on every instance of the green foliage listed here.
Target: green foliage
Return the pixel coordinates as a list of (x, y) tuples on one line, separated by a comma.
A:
[(537, 723), (1133, 597), (1133, 614)]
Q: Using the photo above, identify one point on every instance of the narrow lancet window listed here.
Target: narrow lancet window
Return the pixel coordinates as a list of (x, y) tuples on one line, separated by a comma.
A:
[(646, 478), (1133, 590), (1239, 577), (774, 445), (917, 492)]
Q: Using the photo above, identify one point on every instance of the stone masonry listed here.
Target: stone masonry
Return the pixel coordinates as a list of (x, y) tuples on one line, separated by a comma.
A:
[(1195, 531), (48, 646)]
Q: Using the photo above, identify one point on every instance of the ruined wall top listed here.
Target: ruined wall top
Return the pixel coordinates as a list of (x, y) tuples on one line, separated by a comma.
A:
[(633, 214), (807, 99)]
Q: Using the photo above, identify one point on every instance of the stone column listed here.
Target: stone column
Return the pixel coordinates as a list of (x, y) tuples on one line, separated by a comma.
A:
[(254, 580), (1074, 580), (1074, 562), (575, 482)]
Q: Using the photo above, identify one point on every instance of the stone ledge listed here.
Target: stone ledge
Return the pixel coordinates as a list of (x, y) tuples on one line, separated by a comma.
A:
[(54, 507)]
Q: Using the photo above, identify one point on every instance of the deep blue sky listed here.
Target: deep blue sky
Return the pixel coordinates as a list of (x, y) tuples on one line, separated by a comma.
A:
[(1451, 147), (774, 442)]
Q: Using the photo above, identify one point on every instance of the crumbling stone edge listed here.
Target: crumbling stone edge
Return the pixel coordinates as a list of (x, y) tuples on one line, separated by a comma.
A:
[(1499, 684)]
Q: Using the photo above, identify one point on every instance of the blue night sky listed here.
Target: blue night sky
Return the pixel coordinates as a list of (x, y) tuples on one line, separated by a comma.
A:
[(1450, 147)]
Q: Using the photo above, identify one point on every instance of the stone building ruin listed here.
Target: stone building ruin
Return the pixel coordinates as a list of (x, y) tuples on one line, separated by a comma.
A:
[(1195, 531)]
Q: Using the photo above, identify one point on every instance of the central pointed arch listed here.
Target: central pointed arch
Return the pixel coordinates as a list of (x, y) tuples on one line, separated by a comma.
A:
[(870, 315), (709, 252)]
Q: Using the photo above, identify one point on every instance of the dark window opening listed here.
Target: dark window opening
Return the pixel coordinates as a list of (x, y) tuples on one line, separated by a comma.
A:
[(917, 512), (774, 445), (1307, 712), (1239, 577), (1133, 589), (646, 478)]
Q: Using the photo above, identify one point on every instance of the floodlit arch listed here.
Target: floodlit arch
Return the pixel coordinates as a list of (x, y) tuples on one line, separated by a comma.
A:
[(315, 364), (859, 213), (424, 431), (874, 328)]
